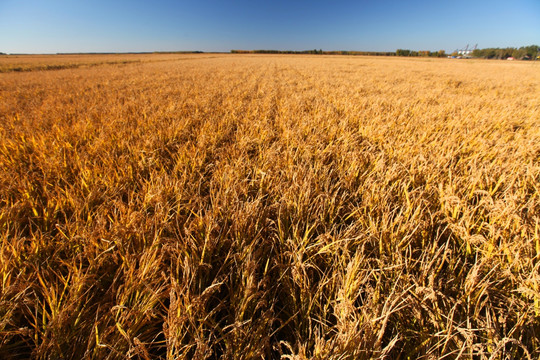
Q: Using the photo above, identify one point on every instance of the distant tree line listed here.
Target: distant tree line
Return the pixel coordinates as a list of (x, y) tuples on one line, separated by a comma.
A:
[(315, 52), (276, 52), (371, 53), (523, 53), (179, 52), (399, 52), (425, 53)]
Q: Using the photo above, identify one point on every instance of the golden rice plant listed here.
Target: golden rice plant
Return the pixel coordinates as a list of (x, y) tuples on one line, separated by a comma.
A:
[(248, 207)]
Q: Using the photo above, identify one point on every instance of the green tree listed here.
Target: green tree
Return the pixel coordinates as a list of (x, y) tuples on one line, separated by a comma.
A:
[(531, 50), (519, 53), (403, 52)]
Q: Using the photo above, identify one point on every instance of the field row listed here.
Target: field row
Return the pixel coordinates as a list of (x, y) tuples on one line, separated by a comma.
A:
[(245, 206)]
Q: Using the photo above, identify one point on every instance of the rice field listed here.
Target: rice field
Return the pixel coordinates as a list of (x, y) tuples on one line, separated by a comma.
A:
[(224, 206)]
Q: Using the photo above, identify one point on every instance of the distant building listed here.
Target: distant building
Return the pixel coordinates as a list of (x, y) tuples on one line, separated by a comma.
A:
[(467, 52)]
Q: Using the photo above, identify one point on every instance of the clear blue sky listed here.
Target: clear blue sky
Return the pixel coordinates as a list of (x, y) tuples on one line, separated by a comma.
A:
[(50, 26)]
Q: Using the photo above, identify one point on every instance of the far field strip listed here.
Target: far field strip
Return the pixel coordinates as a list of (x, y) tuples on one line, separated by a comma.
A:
[(27, 63)]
